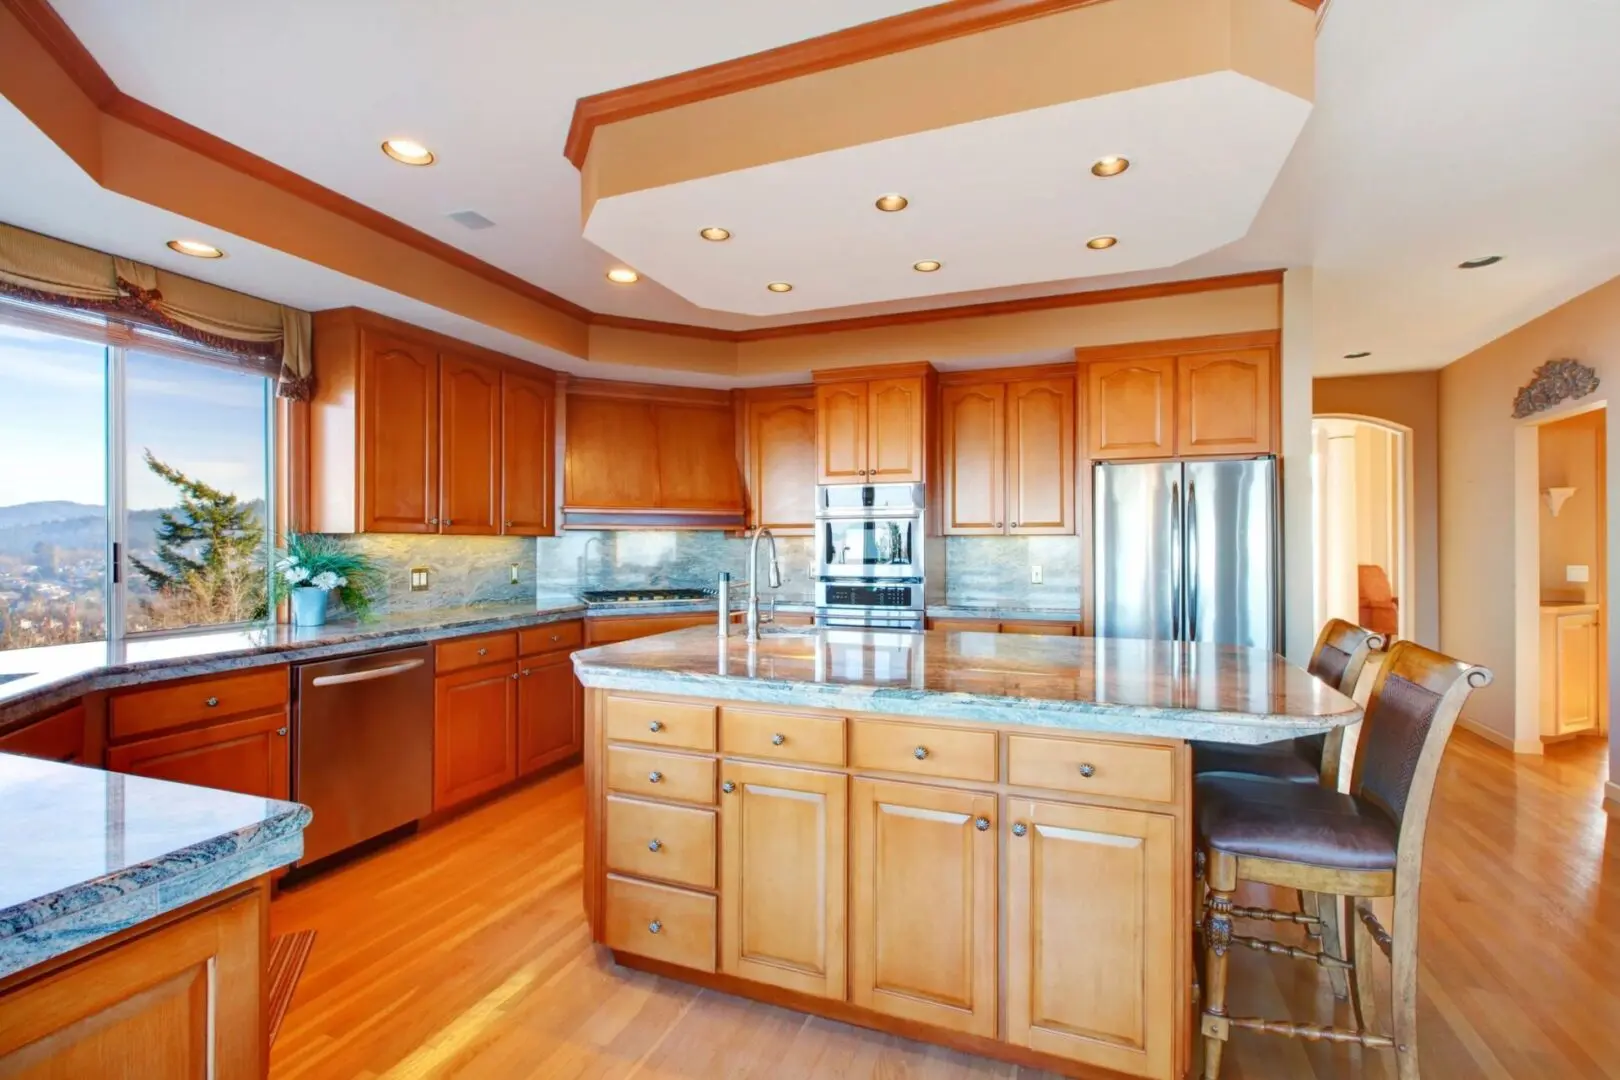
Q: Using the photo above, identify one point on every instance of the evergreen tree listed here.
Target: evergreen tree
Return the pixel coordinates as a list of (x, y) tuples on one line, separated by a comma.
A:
[(207, 554)]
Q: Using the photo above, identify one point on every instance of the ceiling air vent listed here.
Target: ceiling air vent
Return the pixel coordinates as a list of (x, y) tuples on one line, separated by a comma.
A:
[(472, 219)]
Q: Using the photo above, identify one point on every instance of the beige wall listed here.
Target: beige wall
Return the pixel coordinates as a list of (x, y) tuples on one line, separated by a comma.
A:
[(1490, 498), (1411, 399), (1569, 451)]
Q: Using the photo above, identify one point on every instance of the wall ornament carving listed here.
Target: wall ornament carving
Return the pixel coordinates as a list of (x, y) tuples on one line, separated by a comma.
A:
[(1551, 383)]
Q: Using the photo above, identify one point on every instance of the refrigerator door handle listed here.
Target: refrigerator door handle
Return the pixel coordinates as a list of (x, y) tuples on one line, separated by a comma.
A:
[(1175, 563), (1192, 561)]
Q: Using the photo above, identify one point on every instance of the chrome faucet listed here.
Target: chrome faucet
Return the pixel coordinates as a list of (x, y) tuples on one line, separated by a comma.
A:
[(774, 579)]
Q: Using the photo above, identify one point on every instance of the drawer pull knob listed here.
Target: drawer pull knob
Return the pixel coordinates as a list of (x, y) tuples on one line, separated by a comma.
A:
[(654, 777), (556, 637), (1019, 828), (656, 726), (483, 652), (654, 927), (920, 753), (281, 731), (778, 739), (514, 676), (525, 672), (655, 844), (1087, 769), (981, 823), (728, 787), (212, 702)]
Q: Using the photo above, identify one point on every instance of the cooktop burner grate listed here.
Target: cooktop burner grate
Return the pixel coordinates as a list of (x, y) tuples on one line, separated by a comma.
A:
[(642, 596)]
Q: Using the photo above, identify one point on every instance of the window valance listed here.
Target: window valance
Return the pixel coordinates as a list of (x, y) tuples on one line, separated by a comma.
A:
[(270, 337)]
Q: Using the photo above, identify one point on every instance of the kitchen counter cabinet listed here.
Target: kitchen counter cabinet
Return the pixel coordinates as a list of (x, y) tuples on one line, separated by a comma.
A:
[(549, 701), (1571, 667), (57, 737), (249, 755), (475, 725)]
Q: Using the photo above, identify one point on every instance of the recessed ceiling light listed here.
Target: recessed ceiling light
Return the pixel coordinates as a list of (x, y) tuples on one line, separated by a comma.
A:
[(1475, 264), (1357, 355), (779, 286), (407, 151), (1110, 166), (927, 266), (623, 275), (197, 249), (715, 233), (1102, 243), (891, 203)]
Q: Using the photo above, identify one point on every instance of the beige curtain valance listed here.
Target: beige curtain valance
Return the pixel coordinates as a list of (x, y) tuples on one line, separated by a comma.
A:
[(266, 336)]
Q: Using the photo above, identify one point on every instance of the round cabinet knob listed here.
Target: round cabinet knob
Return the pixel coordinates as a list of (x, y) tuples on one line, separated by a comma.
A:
[(654, 777), (1087, 769), (525, 672), (654, 927), (920, 753), (281, 731), (981, 823), (656, 726), (483, 652), (655, 844), (728, 787), (1019, 828), (998, 524), (212, 702), (506, 524), (778, 739), (433, 521), (556, 637), (447, 521), (1015, 524)]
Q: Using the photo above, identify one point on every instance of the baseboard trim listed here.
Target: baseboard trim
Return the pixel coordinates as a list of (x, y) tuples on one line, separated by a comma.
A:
[(1496, 738), (1611, 797)]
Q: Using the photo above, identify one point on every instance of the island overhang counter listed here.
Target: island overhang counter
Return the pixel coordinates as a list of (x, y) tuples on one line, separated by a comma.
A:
[(977, 840)]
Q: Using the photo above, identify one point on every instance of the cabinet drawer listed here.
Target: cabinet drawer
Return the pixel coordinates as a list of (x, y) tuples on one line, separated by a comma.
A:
[(660, 922), (173, 705), (1057, 629), (927, 751), (550, 637), (654, 840), (660, 723), (977, 626), (814, 740), (661, 776), (1120, 770), (472, 651)]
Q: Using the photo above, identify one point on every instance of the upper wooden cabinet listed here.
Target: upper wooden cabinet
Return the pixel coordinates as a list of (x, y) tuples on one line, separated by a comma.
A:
[(650, 455), (872, 425), (779, 456), (1008, 462), (408, 433), (1198, 397)]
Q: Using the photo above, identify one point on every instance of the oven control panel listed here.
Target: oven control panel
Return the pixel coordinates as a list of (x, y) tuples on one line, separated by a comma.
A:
[(869, 595)]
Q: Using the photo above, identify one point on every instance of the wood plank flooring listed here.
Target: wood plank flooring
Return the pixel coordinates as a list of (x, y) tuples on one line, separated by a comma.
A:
[(462, 952)]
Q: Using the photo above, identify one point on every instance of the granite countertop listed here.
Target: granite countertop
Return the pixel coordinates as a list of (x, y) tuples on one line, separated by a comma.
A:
[(86, 853), (1169, 689), (1001, 611)]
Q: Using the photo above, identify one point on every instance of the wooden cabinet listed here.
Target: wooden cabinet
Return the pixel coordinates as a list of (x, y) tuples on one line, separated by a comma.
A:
[(180, 997), (1131, 408), (697, 456), (611, 454), (474, 732), (779, 450), (413, 432), (610, 628), (1044, 627), (57, 737), (1100, 988), (248, 754), (1008, 460), (923, 921), (782, 886), (528, 443), (1223, 403), (872, 425), (1571, 666), (548, 711)]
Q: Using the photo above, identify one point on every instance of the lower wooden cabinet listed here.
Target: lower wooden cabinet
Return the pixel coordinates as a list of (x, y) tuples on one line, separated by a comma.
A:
[(248, 755), (1045, 627), (1571, 670), (548, 711), (1091, 966), (474, 732), (57, 737), (782, 846), (923, 904)]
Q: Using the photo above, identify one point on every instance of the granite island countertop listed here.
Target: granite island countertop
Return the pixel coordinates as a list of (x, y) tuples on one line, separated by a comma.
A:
[(86, 853), (1152, 688)]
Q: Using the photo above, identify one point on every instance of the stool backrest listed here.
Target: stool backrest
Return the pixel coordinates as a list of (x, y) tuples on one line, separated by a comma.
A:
[(1341, 652)]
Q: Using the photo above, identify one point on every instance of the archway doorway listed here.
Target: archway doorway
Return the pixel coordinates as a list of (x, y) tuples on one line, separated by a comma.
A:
[(1362, 505)]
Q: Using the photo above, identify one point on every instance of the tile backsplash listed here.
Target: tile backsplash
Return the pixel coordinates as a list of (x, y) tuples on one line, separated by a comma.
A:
[(995, 570), (461, 569), (624, 560)]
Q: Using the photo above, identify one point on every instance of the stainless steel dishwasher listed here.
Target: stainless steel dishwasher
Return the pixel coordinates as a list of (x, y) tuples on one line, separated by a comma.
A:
[(363, 746)]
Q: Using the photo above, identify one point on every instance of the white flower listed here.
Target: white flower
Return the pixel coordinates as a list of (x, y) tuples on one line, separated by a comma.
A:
[(287, 564), (326, 581), (296, 575)]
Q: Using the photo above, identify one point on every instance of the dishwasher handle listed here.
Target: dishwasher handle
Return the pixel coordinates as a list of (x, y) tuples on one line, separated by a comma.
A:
[(367, 675)]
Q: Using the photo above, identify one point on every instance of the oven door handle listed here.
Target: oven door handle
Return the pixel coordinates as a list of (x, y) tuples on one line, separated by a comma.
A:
[(366, 675)]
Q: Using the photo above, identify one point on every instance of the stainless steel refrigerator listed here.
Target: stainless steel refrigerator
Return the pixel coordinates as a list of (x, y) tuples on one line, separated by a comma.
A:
[(1187, 551)]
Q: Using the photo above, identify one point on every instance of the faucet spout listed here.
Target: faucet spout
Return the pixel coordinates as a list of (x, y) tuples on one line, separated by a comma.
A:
[(773, 577)]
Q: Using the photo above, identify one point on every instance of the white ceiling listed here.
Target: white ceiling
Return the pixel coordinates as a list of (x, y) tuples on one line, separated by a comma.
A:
[(1441, 130)]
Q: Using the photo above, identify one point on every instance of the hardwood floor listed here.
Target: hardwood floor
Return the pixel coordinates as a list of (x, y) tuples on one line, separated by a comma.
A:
[(462, 952)]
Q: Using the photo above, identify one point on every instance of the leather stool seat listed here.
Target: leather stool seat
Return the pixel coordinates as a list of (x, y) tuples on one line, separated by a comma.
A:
[(1298, 761), (1264, 818)]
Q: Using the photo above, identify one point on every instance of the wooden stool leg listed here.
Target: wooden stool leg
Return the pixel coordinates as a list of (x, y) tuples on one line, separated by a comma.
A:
[(1403, 980), (1327, 907), (1363, 952), (1308, 904), (1221, 876)]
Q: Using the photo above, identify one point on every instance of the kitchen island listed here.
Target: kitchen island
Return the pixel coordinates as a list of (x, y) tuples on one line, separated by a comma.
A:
[(978, 840)]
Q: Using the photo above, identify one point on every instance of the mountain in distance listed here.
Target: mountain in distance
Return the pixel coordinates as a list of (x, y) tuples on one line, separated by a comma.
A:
[(73, 526), (37, 513)]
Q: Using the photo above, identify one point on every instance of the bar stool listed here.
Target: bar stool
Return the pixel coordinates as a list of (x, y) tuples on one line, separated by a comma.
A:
[(1361, 845)]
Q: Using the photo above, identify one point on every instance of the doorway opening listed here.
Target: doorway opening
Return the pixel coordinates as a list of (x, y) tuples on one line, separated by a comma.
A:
[(1362, 505)]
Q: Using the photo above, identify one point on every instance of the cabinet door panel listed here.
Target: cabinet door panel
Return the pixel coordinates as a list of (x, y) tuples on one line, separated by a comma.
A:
[(474, 733), (1040, 457), (528, 449), (1577, 672), (1131, 406), (249, 756), (1224, 403), (782, 877), (841, 432), (399, 468), (923, 904), (894, 448), (782, 464), (57, 737), (470, 447), (1091, 935), (697, 457), (611, 458), (975, 463), (546, 715)]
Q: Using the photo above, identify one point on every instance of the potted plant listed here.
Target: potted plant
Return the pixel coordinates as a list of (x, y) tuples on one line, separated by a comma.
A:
[(313, 567)]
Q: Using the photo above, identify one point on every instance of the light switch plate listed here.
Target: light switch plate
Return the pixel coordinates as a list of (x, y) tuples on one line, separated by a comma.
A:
[(1035, 575), (514, 573), (419, 579), (1577, 574)]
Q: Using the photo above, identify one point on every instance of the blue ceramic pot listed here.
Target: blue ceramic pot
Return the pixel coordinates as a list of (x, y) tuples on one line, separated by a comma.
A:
[(309, 607)]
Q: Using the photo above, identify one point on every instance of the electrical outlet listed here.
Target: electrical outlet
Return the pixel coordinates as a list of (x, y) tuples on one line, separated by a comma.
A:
[(514, 573), (419, 579), (1035, 575), (1577, 575)]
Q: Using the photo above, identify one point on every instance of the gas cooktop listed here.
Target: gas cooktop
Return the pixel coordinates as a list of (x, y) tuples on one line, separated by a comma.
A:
[(642, 596)]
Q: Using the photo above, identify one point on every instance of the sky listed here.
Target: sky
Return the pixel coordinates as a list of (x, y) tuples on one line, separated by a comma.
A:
[(206, 421)]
